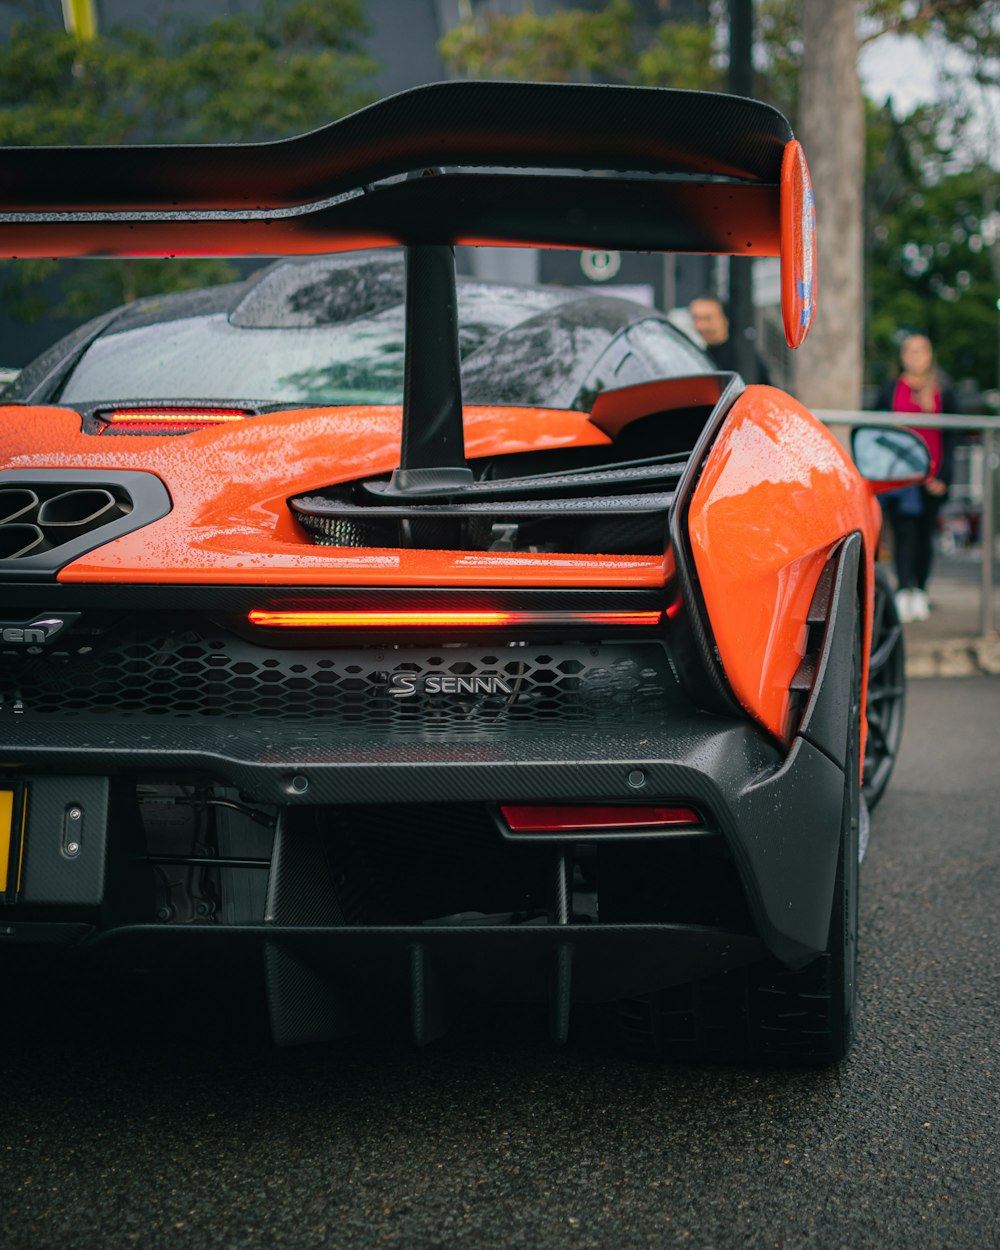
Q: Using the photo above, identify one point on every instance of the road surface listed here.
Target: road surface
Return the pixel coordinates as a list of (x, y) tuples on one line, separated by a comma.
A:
[(168, 1120)]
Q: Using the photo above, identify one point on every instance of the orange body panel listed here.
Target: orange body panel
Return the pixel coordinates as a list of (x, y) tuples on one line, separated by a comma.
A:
[(776, 494), (614, 410), (230, 523)]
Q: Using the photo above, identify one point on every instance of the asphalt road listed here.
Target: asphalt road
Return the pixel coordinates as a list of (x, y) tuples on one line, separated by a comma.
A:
[(168, 1121)]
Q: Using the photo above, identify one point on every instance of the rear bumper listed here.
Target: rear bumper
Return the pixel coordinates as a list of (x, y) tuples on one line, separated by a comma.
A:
[(780, 816)]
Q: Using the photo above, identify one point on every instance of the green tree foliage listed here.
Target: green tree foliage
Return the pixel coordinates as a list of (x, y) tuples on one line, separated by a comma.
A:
[(683, 55), (581, 45), (292, 66), (932, 247), (578, 45), (969, 25), (570, 46)]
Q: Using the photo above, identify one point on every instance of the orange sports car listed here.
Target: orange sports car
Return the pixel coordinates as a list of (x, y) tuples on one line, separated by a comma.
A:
[(447, 641)]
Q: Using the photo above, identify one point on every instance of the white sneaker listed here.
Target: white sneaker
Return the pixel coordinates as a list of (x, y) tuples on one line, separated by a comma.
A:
[(920, 605), (904, 605)]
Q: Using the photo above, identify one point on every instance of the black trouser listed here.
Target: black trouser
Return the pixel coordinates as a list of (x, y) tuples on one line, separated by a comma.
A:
[(913, 542)]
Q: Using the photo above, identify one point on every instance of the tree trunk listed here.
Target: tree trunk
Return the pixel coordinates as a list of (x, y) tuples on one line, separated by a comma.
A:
[(831, 124)]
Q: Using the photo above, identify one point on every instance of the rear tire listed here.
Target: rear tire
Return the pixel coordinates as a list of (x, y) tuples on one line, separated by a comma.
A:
[(768, 1012), (886, 702)]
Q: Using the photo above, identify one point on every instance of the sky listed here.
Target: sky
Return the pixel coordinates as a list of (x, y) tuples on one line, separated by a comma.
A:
[(907, 68), (901, 67)]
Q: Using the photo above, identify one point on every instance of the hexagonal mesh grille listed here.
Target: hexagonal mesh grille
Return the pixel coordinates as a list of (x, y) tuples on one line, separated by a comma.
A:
[(194, 673)]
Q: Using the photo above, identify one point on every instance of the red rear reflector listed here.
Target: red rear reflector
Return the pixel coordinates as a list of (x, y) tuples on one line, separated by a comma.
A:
[(556, 818), (170, 420), (407, 620)]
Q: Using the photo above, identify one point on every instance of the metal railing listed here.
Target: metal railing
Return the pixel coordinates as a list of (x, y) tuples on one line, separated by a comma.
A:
[(988, 426)]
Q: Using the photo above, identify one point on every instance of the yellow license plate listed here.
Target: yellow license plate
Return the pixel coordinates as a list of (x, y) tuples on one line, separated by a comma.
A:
[(13, 811)]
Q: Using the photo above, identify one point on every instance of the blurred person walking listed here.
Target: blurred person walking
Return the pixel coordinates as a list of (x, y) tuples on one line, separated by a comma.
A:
[(913, 511), (708, 315)]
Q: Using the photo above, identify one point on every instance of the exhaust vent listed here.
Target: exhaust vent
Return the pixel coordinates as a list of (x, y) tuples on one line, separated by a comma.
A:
[(49, 517), (33, 521), (17, 504), (19, 540)]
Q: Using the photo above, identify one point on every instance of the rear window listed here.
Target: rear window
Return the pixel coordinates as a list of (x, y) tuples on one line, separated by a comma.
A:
[(520, 347), (207, 358)]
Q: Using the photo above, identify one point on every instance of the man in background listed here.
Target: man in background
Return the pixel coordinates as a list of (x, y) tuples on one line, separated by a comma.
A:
[(709, 318)]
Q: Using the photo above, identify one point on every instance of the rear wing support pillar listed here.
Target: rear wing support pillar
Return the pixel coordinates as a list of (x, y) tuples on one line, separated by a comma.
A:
[(432, 453)]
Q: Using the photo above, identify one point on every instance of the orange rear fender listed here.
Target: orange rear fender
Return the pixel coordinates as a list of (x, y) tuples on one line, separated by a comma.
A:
[(777, 493)]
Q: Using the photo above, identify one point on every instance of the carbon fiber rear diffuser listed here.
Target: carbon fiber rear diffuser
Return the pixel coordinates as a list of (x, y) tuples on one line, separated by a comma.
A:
[(326, 982)]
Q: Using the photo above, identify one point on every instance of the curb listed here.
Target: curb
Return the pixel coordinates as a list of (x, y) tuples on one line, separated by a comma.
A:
[(954, 657)]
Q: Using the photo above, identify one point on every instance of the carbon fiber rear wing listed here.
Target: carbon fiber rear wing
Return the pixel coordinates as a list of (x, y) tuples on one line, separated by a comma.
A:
[(514, 164)]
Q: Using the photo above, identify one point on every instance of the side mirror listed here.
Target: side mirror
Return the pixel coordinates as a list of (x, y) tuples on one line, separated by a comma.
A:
[(889, 457)]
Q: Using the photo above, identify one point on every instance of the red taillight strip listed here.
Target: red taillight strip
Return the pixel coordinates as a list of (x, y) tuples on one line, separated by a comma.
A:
[(168, 420), (162, 416), (558, 818), (442, 619)]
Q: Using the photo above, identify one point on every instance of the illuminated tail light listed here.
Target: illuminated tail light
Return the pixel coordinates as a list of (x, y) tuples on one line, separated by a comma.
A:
[(558, 818), (443, 619), (168, 420)]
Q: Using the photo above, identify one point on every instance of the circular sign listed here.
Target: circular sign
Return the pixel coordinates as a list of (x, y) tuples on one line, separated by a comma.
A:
[(601, 266)]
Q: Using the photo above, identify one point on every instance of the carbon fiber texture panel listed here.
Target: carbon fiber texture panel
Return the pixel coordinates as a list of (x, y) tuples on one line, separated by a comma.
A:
[(686, 571), (780, 816), (614, 532), (827, 713), (155, 669), (540, 484), (303, 1006), (429, 1013), (704, 761), (695, 757), (300, 886), (580, 505), (539, 125), (502, 964), (66, 840)]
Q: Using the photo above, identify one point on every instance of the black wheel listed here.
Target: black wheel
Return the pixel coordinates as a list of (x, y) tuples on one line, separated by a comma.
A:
[(886, 691), (769, 1012)]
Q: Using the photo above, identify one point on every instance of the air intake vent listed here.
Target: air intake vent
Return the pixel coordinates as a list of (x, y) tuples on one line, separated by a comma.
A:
[(610, 508)]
